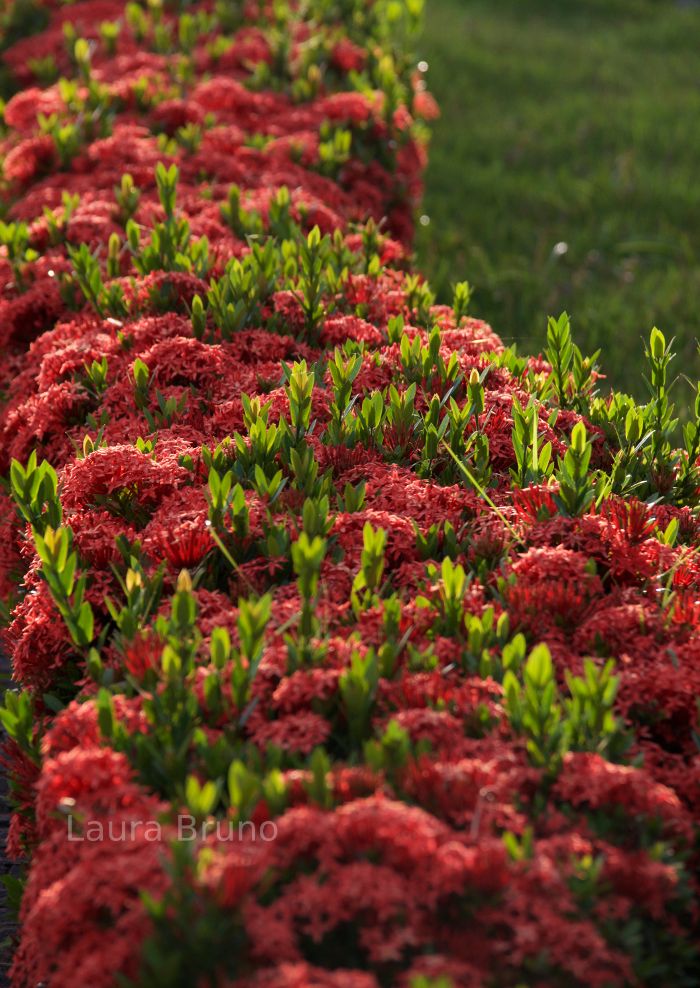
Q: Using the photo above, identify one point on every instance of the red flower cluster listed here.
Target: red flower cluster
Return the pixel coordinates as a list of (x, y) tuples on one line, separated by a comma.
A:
[(302, 533)]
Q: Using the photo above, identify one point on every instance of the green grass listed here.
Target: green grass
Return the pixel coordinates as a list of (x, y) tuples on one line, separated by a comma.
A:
[(570, 122)]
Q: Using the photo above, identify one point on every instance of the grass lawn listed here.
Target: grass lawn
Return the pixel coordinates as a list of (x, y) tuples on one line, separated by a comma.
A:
[(565, 170)]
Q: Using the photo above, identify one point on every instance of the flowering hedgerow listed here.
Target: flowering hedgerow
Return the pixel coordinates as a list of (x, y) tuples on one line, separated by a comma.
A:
[(404, 626)]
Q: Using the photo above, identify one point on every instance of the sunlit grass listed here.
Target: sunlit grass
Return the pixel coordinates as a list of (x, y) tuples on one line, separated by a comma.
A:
[(565, 170)]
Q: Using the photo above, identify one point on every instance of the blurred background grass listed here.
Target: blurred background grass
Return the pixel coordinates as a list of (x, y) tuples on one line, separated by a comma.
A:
[(565, 170)]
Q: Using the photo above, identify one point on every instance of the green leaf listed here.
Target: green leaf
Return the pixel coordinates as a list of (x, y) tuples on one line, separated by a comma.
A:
[(538, 669), (105, 713)]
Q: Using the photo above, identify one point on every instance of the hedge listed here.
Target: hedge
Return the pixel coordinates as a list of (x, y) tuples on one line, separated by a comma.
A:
[(351, 648)]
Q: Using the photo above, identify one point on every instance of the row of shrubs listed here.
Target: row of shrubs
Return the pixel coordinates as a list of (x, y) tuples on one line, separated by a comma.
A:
[(351, 648)]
